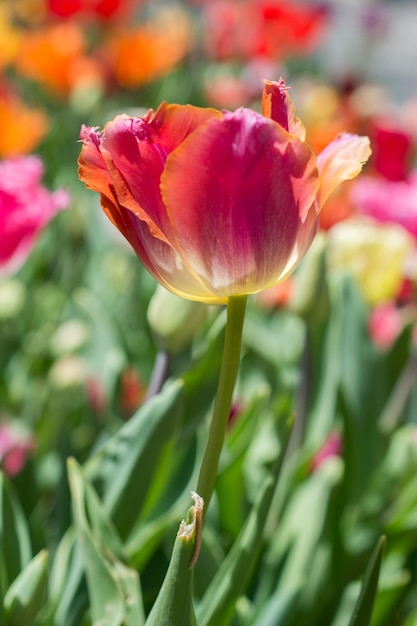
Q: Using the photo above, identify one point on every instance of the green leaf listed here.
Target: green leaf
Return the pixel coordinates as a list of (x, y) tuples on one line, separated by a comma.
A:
[(218, 603), (103, 351), (115, 598), (126, 471), (67, 591), (15, 550), (73, 597), (278, 340), (126, 466), (277, 610), (394, 580), (411, 619), (27, 594), (174, 604), (325, 352), (295, 545), (362, 613)]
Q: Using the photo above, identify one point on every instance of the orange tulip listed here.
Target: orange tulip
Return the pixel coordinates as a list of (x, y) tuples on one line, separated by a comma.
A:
[(146, 52), (21, 128), (56, 57), (9, 38)]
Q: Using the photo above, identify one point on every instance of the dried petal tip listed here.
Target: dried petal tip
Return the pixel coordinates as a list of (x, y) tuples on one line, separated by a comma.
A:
[(193, 526), (277, 105), (194, 515), (198, 503), (277, 83)]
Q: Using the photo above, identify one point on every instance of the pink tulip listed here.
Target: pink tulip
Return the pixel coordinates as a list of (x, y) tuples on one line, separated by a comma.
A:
[(216, 204), (25, 209), (385, 323), (15, 446), (388, 201), (332, 447)]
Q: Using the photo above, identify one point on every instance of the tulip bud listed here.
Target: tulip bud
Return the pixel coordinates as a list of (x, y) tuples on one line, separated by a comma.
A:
[(173, 320)]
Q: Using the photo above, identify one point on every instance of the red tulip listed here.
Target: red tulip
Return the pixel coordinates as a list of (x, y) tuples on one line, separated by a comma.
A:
[(271, 29), (216, 204), (101, 8), (392, 150)]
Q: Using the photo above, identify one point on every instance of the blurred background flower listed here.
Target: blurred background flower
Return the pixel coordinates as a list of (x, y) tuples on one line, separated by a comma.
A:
[(15, 446), (388, 200), (21, 128), (375, 256), (26, 207), (56, 57)]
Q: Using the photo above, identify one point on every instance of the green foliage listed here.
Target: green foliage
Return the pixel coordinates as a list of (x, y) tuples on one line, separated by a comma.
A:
[(362, 614), (27, 593), (285, 542), (117, 599)]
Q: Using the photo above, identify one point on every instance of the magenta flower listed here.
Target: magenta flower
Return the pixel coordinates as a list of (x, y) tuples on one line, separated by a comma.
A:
[(216, 204), (388, 201), (26, 207)]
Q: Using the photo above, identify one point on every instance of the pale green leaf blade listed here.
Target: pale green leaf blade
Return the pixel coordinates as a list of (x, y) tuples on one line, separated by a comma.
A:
[(362, 614)]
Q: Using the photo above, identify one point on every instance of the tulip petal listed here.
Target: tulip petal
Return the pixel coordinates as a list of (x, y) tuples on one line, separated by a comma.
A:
[(172, 123), (94, 173), (92, 168), (135, 166), (236, 193), (136, 149), (278, 106), (98, 172), (162, 260), (341, 160), (304, 240)]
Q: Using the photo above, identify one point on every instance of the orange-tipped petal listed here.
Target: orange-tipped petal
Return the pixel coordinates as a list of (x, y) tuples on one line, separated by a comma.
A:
[(341, 160), (108, 163), (135, 151), (91, 165), (277, 105), (93, 171), (172, 123)]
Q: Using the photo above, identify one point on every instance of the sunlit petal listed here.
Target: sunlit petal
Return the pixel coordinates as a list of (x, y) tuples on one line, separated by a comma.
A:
[(341, 160), (277, 104)]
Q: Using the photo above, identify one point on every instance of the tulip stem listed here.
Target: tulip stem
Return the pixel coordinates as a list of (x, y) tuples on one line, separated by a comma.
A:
[(228, 374)]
